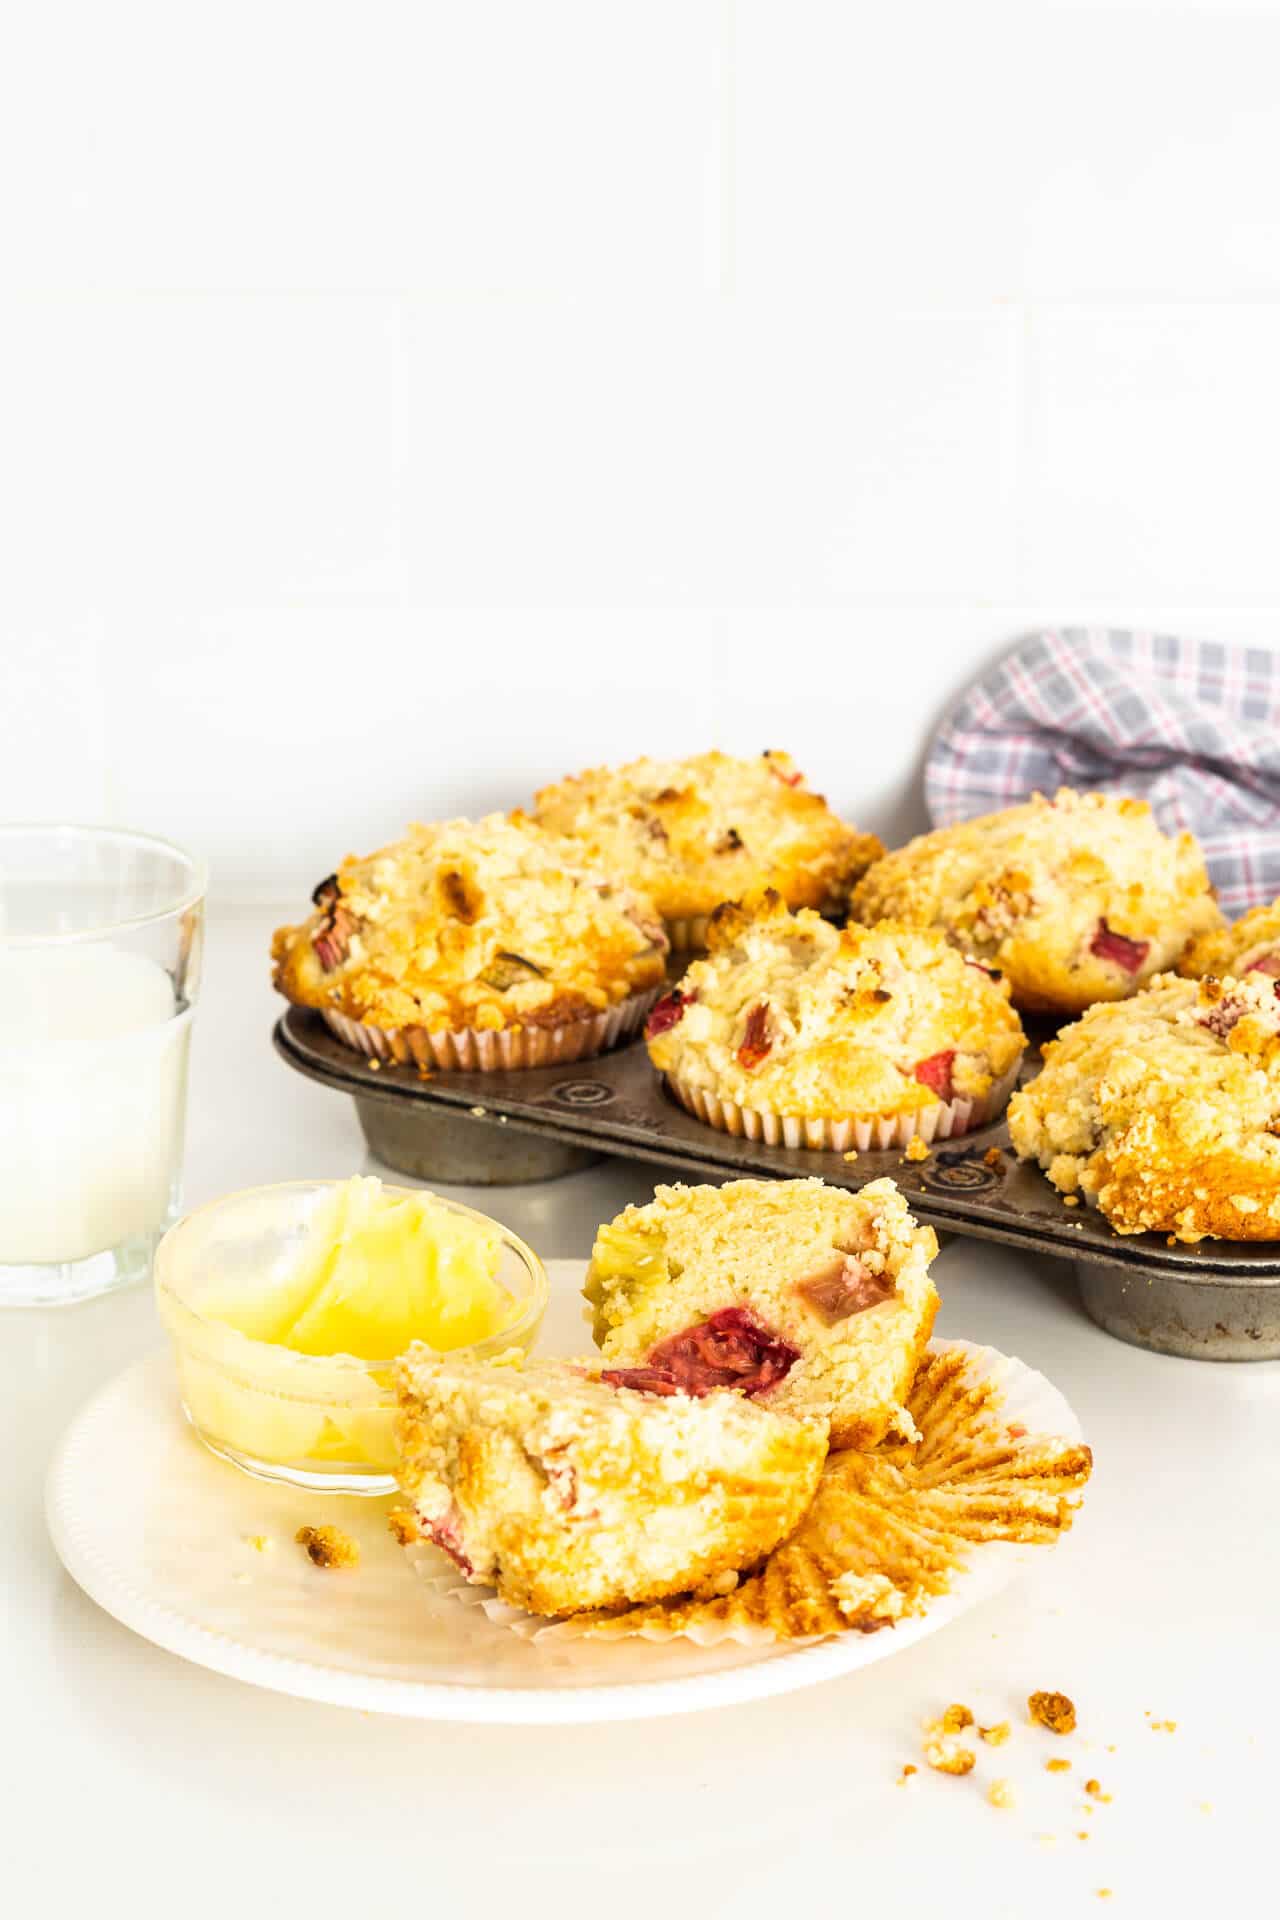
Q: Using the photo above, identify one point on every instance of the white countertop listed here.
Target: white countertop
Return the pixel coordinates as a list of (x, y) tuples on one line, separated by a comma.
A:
[(123, 1767)]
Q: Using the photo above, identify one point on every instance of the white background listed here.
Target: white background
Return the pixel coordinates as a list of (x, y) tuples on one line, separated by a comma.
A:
[(401, 405)]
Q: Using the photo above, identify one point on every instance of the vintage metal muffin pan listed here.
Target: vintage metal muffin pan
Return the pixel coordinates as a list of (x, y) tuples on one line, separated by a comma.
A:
[(1217, 1300)]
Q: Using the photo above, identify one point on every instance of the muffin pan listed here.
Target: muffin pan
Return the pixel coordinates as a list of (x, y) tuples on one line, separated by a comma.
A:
[(1218, 1300)]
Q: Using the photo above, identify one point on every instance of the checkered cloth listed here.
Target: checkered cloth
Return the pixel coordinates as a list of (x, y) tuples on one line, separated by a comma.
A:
[(1190, 725)]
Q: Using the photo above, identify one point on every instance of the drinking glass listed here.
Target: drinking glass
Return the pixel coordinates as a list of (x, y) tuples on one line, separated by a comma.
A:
[(101, 936)]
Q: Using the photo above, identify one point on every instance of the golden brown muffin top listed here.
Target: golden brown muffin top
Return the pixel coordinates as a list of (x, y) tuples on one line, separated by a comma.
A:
[(491, 923), (691, 833), (1164, 1110), (1074, 899), (790, 1014)]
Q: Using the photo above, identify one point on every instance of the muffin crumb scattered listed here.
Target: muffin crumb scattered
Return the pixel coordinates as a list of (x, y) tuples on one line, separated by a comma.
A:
[(946, 1755), (1000, 1793), (1052, 1710), (908, 1775), (1095, 1788), (997, 1735), (850, 1157), (328, 1546), (916, 1148), (403, 1525), (1057, 1766), (993, 1158), (260, 1542), (956, 1718)]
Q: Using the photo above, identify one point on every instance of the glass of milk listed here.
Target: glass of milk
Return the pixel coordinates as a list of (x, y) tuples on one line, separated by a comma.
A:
[(101, 935)]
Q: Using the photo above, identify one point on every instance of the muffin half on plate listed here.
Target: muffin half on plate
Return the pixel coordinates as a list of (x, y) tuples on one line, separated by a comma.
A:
[(474, 944), (565, 1491), (803, 1297)]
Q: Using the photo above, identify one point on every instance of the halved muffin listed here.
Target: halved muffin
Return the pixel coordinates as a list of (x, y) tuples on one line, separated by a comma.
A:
[(807, 1299), (692, 833), (1250, 945), (482, 943), (1074, 899), (565, 1492), (1164, 1111), (794, 1031)]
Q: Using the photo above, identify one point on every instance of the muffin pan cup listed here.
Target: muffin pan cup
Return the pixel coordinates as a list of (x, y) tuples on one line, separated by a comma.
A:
[(1217, 1300)]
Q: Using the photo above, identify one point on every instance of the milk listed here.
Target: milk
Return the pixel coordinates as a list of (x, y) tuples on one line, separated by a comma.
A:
[(93, 1066)]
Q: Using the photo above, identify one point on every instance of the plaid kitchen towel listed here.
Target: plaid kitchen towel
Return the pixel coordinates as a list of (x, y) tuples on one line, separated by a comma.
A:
[(1190, 725)]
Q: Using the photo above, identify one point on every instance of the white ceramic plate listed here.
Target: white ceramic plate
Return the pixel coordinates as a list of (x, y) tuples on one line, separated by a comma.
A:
[(159, 1533)]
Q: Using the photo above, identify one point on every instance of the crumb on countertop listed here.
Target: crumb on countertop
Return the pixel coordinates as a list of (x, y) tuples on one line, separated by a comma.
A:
[(1095, 1788), (997, 1735), (1000, 1793), (993, 1158), (328, 1546), (260, 1542), (906, 1777), (850, 1157), (1056, 1711), (956, 1718), (1057, 1766), (946, 1755), (1071, 1200), (916, 1148)]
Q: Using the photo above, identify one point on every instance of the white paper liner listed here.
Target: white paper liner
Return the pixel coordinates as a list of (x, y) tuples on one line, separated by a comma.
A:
[(940, 1120), (688, 934), (507, 1049), (1024, 1399)]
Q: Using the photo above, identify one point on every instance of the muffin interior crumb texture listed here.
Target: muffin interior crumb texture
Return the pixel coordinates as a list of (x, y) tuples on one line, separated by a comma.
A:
[(812, 1299), (328, 1547)]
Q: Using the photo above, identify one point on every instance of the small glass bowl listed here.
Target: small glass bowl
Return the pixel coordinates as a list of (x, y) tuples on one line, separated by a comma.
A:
[(312, 1422)]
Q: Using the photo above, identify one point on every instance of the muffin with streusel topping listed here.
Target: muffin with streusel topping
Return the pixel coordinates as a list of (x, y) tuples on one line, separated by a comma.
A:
[(1075, 899), (567, 1490), (1250, 945), (1163, 1111), (692, 833), (482, 943), (805, 1298), (804, 1034)]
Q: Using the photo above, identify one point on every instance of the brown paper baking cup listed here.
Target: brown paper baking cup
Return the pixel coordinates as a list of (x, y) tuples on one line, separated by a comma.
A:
[(940, 1120), (998, 1461), (507, 1049)]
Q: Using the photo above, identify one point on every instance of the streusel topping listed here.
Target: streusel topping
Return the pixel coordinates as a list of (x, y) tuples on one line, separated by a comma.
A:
[(488, 924)]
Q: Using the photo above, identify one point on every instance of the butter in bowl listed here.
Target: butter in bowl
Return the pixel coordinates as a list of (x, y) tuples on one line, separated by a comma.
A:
[(288, 1305)]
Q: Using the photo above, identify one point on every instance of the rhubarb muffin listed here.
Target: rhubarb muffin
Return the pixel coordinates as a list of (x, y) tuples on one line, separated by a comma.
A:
[(691, 833), (1074, 899), (475, 944), (1250, 945), (805, 1298), (1164, 1111), (800, 1033), (566, 1491)]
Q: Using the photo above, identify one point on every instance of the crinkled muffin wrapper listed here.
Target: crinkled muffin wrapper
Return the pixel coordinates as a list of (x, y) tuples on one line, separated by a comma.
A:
[(940, 1120), (999, 1459), (689, 934), (507, 1049)]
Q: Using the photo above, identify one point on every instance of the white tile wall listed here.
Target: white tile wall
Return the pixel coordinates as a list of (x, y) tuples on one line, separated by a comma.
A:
[(400, 407)]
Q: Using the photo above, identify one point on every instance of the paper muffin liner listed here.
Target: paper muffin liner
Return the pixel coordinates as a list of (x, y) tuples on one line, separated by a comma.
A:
[(940, 1120), (999, 1459), (507, 1049), (688, 934)]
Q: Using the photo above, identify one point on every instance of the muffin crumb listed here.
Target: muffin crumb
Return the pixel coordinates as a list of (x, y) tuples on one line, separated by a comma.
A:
[(328, 1547), (850, 1157), (916, 1148), (1000, 1794), (260, 1542), (1056, 1711), (993, 1158), (907, 1777), (997, 1735), (956, 1718), (1057, 1766), (402, 1522), (947, 1756)]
